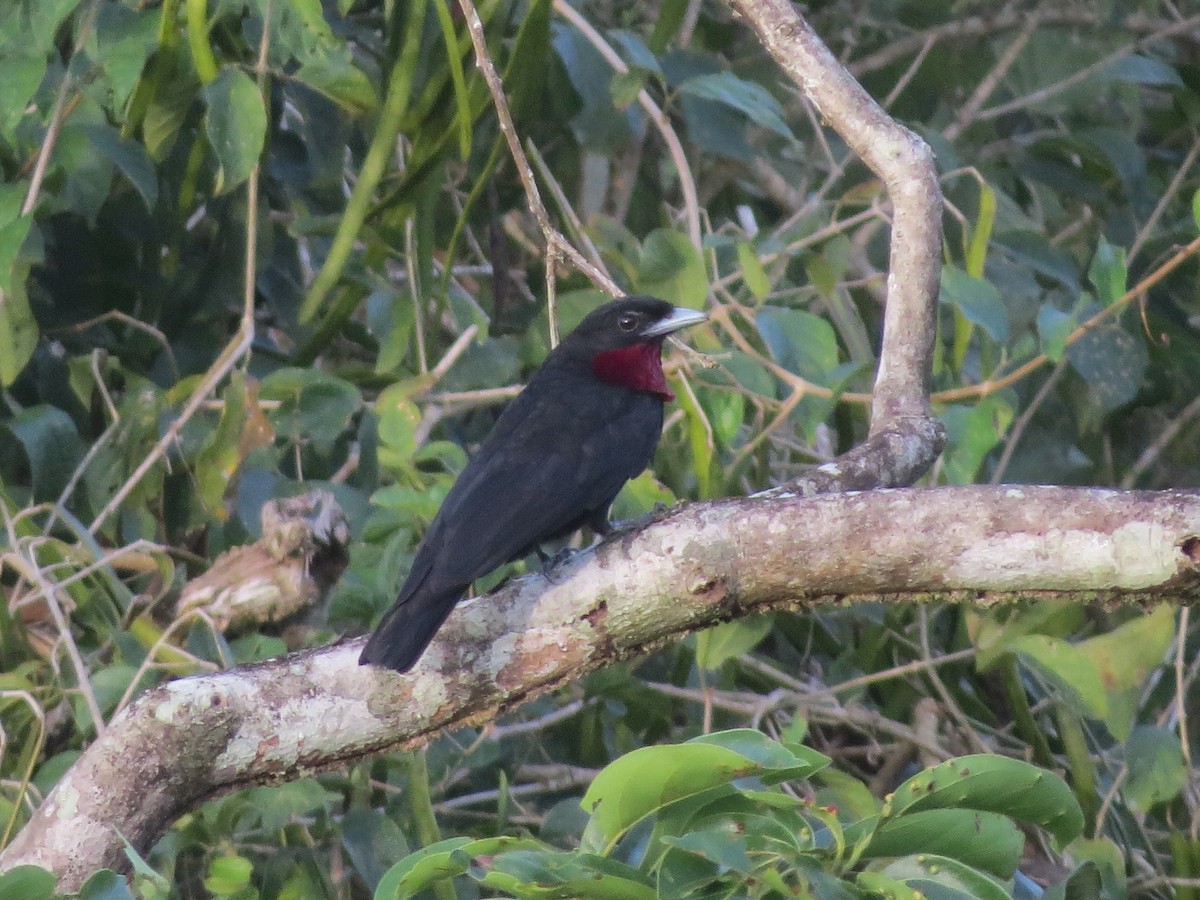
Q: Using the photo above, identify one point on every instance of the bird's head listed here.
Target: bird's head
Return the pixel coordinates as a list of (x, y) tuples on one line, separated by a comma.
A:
[(622, 341)]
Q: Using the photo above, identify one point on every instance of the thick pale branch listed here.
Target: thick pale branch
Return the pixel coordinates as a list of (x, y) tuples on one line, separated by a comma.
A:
[(188, 740), (905, 165)]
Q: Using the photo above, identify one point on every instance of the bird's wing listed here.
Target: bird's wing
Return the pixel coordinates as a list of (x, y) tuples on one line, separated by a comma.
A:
[(521, 493)]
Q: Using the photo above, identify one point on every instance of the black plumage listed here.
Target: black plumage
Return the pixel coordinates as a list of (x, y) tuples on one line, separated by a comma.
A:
[(589, 420)]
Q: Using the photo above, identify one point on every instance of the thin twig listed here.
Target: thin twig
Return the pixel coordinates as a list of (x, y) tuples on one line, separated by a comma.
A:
[(555, 242), (1045, 93)]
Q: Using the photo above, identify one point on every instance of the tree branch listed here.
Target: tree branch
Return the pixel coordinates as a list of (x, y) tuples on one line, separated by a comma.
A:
[(900, 413), (188, 740)]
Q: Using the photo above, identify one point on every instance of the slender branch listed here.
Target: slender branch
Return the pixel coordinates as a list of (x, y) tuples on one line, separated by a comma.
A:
[(556, 244)]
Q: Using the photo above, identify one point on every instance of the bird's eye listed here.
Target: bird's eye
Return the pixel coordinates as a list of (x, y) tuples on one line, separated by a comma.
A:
[(628, 322)]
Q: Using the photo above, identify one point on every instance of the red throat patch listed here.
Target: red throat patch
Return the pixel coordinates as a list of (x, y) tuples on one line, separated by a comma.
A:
[(638, 368)]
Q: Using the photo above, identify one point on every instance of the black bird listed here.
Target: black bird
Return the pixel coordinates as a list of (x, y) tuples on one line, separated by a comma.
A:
[(587, 422)]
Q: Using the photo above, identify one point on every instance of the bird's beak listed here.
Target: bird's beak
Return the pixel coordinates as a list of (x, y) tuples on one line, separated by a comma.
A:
[(679, 317)]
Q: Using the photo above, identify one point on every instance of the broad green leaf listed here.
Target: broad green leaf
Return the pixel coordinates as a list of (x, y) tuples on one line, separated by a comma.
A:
[(747, 97), (1196, 209), (1125, 658), (997, 784), (236, 124), (1137, 68), (1108, 273), (984, 840), (942, 878), (312, 407), (21, 72), (779, 761), (1054, 327), (723, 843), (103, 885), (1084, 883), (671, 268), (336, 77), (1034, 251), (398, 421), (971, 433), (717, 645), (1073, 671), (125, 38), (228, 875), (555, 873), (130, 158), (599, 125), (1157, 771), (437, 862), (976, 299), (799, 341), (27, 883), (372, 840), (753, 272), (647, 779), (1112, 361), (52, 448), (18, 329)]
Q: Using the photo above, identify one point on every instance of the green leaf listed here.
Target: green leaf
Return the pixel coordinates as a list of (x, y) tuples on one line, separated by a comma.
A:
[(18, 329), (130, 158), (1157, 771), (984, 840), (372, 840), (997, 784), (1113, 362), (52, 448), (398, 421), (555, 873), (671, 268), (313, 406), (236, 125), (942, 878), (27, 883), (971, 433), (1138, 69), (437, 862), (125, 38), (977, 299), (1108, 273), (21, 72), (336, 77), (753, 272), (1054, 327), (1125, 658), (228, 875), (1196, 209), (747, 97), (103, 885), (1072, 670), (717, 645), (645, 780), (799, 341)]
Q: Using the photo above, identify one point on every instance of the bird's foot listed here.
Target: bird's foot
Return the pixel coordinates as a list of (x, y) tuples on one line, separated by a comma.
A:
[(550, 563)]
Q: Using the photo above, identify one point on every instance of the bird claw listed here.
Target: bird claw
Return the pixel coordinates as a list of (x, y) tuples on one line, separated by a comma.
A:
[(550, 563)]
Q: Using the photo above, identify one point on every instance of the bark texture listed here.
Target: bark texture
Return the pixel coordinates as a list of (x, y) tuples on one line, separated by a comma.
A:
[(700, 564)]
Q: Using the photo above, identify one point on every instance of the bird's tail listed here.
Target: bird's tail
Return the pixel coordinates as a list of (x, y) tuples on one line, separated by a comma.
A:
[(406, 630)]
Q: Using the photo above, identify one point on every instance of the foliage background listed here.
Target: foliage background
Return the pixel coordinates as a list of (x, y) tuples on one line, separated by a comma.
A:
[(398, 298)]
